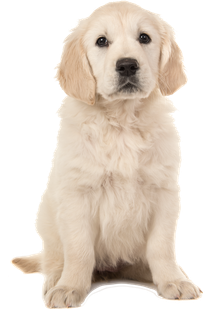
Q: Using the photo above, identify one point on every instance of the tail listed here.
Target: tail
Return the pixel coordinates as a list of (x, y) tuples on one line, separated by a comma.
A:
[(28, 264)]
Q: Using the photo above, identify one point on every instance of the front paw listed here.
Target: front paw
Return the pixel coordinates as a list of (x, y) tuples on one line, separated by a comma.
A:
[(179, 289), (64, 297)]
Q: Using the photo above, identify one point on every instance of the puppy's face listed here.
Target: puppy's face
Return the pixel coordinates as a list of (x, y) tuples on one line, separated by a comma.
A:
[(123, 49)]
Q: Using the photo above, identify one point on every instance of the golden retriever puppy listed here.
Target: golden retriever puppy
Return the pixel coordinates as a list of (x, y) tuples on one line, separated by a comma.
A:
[(112, 200)]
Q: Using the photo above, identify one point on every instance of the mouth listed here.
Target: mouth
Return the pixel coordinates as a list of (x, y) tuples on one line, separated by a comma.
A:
[(128, 88)]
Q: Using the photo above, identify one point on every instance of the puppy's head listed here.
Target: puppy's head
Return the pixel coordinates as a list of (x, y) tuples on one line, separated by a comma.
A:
[(120, 51)]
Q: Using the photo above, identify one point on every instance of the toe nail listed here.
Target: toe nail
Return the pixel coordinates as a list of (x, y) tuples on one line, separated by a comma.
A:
[(200, 290)]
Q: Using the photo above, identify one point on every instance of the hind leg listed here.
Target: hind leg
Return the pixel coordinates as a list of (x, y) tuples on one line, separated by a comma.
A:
[(51, 280), (52, 265), (52, 259)]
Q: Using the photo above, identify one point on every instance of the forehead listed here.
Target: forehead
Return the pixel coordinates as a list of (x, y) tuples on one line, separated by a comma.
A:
[(112, 20)]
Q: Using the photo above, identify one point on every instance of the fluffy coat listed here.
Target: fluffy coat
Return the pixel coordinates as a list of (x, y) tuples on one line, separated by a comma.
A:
[(112, 200)]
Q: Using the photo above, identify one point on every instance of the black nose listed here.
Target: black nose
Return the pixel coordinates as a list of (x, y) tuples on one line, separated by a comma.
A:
[(127, 66)]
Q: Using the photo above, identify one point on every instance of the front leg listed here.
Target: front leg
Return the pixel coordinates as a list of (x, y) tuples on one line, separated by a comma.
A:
[(75, 228), (171, 282)]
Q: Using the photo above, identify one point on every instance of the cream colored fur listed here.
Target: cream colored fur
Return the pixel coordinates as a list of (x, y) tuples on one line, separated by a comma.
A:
[(112, 194)]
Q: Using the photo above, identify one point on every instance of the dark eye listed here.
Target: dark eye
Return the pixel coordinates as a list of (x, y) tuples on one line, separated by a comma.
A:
[(144, 38), (102, 41)]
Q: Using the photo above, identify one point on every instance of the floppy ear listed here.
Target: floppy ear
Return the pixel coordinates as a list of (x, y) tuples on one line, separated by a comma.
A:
[(171, 75), (74, 72)]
